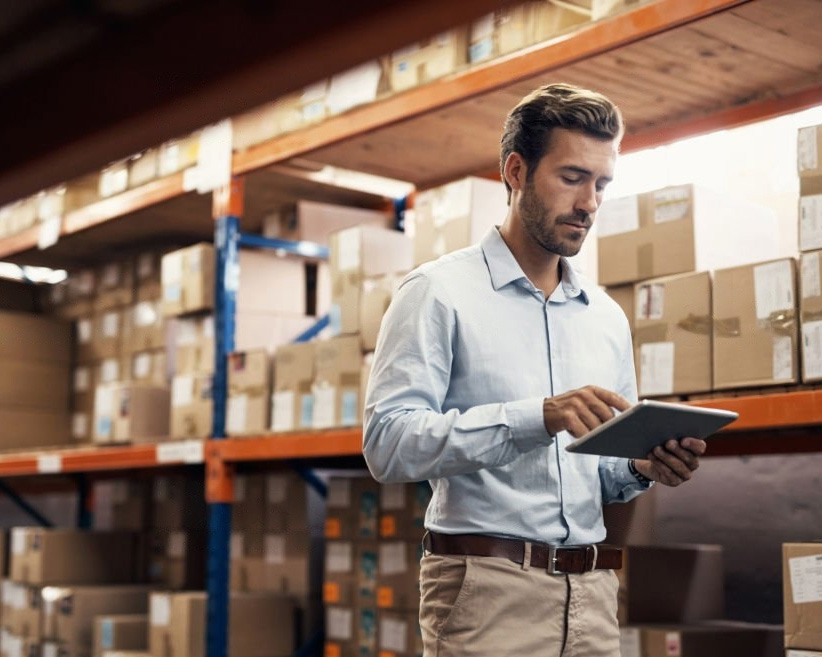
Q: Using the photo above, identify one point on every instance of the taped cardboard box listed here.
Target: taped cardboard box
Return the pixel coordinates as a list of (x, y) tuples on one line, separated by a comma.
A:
[(336, 386), (188, 280), (149, 368), (680, 229), (35, 338), (810, 316), (177, 558), (429, 59), (34, 384), (375, 297), (107, 334), (23, 610), (249, 390), (399, 634), (276, 562), (144, 327), (357, 254), (131, 413), (310, 221), (402, 510), (288, 498), (755, 327), (115, 285), (178, 503), (147, 278), (729, 639), (624, 296), (456, 215), (352, 508), (120, 632), (801, 586), (809, 159), (673, 335), (398, 578), (178, 154), (192, 406), (350, 631), (34, 428)]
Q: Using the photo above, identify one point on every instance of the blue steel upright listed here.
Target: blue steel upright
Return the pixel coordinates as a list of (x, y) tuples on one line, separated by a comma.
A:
[(226, 242)]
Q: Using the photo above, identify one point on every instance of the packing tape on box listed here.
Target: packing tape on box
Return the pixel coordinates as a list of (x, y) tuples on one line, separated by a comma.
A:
[(781, 322), (729, 327), (699, 324), (645, 260), (657, 332), (811, 315)]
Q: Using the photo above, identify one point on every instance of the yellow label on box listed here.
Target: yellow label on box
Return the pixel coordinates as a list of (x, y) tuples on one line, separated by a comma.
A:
[(388, 526), (331, 592), (332, 528), (385, 597), (332, 650)]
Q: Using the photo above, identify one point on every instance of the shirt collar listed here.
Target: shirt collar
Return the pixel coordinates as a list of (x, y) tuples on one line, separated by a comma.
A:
[(504, 269)]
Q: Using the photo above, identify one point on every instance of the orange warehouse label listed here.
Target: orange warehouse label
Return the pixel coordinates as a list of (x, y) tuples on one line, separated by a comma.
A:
[(386, 653), (388, 526), (332, 650), (385, 597), (331, 592), (332, 528)]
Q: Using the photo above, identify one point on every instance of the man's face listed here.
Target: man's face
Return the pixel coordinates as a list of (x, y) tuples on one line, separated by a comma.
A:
[(559, 201)]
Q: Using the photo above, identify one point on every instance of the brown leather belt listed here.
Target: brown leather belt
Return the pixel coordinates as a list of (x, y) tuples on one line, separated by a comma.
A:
[(555, 559)]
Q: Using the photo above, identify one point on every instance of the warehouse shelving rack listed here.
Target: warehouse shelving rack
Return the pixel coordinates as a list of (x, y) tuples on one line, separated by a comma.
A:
[(676, 67)]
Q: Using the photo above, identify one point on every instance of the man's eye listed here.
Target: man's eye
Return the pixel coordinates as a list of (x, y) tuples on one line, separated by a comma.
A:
[(571, 180)]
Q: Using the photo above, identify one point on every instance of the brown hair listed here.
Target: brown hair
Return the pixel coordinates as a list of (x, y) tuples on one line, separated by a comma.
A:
[(528, 126)]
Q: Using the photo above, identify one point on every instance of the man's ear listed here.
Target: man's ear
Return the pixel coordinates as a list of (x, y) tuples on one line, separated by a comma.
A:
[(515, 171)]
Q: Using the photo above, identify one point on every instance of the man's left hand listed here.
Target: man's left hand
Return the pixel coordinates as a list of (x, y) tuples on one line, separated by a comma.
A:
[(674, 462)]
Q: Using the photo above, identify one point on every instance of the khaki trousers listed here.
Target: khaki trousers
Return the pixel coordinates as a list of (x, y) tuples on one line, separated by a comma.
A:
[(493, 607)]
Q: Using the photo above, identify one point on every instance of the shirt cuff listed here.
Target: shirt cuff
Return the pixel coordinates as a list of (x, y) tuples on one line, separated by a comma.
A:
[(628, 476), (527, 425)]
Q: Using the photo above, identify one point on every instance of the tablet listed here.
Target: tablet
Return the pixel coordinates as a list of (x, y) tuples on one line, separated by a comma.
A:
[(635, 432)]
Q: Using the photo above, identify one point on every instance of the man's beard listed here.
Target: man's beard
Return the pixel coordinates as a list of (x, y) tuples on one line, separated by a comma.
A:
[(536, 220)]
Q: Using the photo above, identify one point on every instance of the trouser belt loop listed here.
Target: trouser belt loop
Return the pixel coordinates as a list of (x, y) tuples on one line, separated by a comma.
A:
[(526, 556), (596, 553)]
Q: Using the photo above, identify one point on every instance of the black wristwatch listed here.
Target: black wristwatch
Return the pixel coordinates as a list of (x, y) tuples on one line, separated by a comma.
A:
[(641, 478)]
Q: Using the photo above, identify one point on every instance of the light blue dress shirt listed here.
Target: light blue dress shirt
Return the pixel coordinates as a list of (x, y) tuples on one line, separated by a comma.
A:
[(467, 352)]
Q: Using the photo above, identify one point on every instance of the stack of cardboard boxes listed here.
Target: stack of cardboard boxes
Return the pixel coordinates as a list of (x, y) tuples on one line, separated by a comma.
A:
[(692, 334), (373, 552), (802, 598)]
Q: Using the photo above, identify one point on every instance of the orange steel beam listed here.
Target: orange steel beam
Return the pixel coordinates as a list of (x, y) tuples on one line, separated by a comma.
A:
[(787, 410), (599, 37), (229, 200), (219, 479), (80, 460), (732, 117), (310, 444)]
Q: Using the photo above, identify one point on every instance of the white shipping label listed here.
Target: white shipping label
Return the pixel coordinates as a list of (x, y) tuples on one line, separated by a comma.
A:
[(275, 548), (392, 558), (183, 451), (282, 411), (339, 557), (141, 366), (806, 157), (314, 92), (146, 313), (672, 204), (237, 415), (160, 613), (339, 623), (182, 391), (171, 268), (673, 644), (110, 371), (169, 158), (629, 642), (806, 578), (83, 331), (79, 426), (348, 249), (643, 300), (324, 414), (49, 232), (339, 493), (176, 547), (82, 379), (810, 222), (49, 463), (103, 401), (392, 635), (237, 546), (618, 215), (214, 157), (656, 301), (812, 350), (773, 288), (18, 540), (656, 374), (187, 333), (275, 488), (111, 325), (810, 276), (353, 87), (782, 358), (392, 497)]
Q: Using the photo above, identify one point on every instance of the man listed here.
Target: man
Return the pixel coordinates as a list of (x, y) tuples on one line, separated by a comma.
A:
[(490, 361)]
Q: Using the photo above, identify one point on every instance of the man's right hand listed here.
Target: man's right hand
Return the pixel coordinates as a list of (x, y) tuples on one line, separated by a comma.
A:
[(579, 411)]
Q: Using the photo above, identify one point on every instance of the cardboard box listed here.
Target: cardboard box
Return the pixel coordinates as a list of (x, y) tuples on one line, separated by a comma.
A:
[(287, 500), (34, 338), (143, 167), (22, 610), (147, 277), (755, 328), (315, 222), (115, 285), (150, 368), (292, 400), (375, 297), (178, 503), (84, 328), (341, 572), (249, 389), (350, 631), (693, 590), (188, 280), (81, 285), (34, 428), (402, 510), (809, 160), (60, 200), (352, 508), (680, 229), (456, 215), (113, 179), (801, 579), (57, 557), (271, 284), (178, 154), (673, 335), (398, 634), (193, 340), (34, 384), (398, 577), (191, 406), (130, 504), (359, 253), (810, 316), (624, 296), (111, 370), (107, 333), (177, 559), (336, 387), (429, 59), (120, 632), (131, 413), (144, 327), (719, 638), (260, 625), (268, 331)]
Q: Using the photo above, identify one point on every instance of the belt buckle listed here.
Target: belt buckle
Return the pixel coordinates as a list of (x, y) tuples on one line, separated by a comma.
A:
[(552, 561)]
